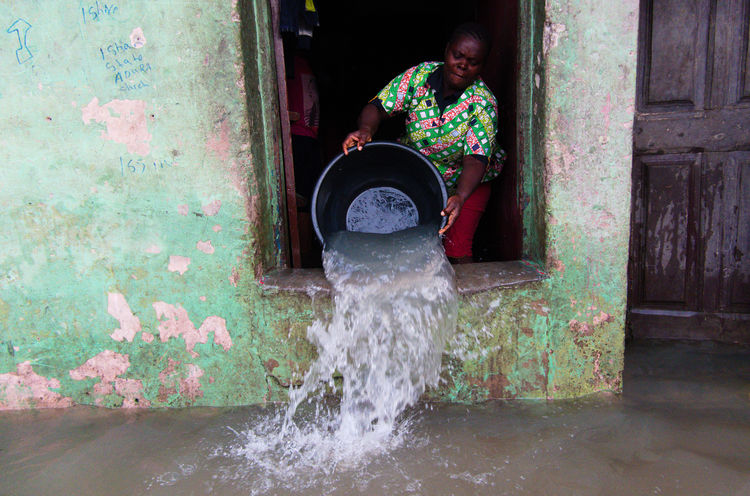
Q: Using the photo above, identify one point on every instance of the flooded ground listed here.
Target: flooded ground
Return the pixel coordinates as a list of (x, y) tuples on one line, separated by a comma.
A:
[(682, 426)]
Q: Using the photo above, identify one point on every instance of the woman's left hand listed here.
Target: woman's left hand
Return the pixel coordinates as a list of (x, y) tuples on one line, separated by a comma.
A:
[(452, 209), (471, 176)]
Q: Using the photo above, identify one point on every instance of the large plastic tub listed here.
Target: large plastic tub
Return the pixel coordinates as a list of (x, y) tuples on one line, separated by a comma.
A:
[(383, 188)]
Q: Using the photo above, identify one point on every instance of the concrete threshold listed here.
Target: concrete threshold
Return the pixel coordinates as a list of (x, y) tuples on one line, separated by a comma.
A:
[(470, 278)]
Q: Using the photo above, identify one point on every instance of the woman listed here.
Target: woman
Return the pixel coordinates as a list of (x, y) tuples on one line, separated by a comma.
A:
[(451, 118)]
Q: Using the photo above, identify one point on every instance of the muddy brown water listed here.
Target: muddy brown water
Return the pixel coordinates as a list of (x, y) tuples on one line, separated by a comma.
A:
[(681, 426)]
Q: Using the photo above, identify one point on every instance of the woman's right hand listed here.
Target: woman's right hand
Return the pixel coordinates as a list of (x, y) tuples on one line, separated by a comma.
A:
[(358, 138)]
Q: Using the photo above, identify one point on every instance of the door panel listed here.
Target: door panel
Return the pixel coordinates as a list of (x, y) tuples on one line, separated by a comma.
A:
[(739, 65), (666, 242), (689, 274), (715, 130), (711, 234), (674, 46), (737, 244)]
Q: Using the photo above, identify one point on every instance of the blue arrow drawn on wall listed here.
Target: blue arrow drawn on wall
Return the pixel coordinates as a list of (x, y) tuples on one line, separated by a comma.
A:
[(23, 54)]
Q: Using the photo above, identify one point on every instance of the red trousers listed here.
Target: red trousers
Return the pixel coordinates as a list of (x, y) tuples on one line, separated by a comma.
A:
[(460, 236)]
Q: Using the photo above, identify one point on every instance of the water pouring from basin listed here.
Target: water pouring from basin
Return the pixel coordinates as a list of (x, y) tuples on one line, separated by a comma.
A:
[(394, 297), (394, 309), (377, 211)]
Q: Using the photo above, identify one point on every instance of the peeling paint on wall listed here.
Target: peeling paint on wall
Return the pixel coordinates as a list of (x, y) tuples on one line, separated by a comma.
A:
[(219, 143), (137, 38), (174, 323), (205, 246), (132, 392), (553, 31), (106, 366), (212, 208), (178, 263), (125, 121), (118, 308), (183, 381), (26, 389)]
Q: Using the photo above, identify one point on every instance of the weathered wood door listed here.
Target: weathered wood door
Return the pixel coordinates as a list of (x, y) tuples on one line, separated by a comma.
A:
[(689, 274)]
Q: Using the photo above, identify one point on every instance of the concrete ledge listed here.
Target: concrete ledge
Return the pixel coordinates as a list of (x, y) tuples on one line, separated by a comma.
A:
[(479, 277), (470, 278)]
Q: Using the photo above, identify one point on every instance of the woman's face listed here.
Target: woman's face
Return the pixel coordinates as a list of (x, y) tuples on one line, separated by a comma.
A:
[(464, 59)]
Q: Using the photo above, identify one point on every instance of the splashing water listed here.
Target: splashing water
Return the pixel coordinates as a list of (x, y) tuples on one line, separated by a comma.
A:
[(395, 306)]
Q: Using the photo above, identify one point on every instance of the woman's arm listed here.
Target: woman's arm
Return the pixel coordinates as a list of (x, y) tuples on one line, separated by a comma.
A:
[(369, 120), (471, 176)]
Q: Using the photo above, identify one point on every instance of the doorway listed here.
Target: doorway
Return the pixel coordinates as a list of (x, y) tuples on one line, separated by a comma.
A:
[(359, 46)]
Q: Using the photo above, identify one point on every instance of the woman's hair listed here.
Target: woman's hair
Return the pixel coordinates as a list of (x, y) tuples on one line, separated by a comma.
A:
[(472, 30)]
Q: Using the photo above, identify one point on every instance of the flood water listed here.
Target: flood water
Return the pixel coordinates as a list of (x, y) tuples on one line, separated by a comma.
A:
[(681, 426)]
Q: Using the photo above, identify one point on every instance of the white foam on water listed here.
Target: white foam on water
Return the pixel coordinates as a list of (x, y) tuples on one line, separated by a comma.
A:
[(311, 455), (395, 306)]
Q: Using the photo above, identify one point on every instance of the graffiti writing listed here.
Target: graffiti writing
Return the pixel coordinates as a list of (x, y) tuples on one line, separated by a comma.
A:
[(140, 166), (98, 11), (126, 65), (21, 28), (114, 49)]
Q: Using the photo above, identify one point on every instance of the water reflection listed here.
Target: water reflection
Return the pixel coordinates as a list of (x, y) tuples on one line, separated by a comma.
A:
[(682, 426)]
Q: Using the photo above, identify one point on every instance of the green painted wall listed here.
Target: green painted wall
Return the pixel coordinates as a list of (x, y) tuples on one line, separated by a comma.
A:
[(130, 191), (141, 210), (589, 51), (564, 337)]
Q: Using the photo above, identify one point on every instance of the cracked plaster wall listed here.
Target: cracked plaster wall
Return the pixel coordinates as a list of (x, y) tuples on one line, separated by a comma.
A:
[(129, 201), (589, 53)]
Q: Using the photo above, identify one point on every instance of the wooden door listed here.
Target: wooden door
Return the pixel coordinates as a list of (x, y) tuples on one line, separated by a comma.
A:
[(689, 273)]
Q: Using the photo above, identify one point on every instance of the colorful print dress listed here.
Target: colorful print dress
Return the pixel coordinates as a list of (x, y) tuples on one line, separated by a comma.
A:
[(467, 126)]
